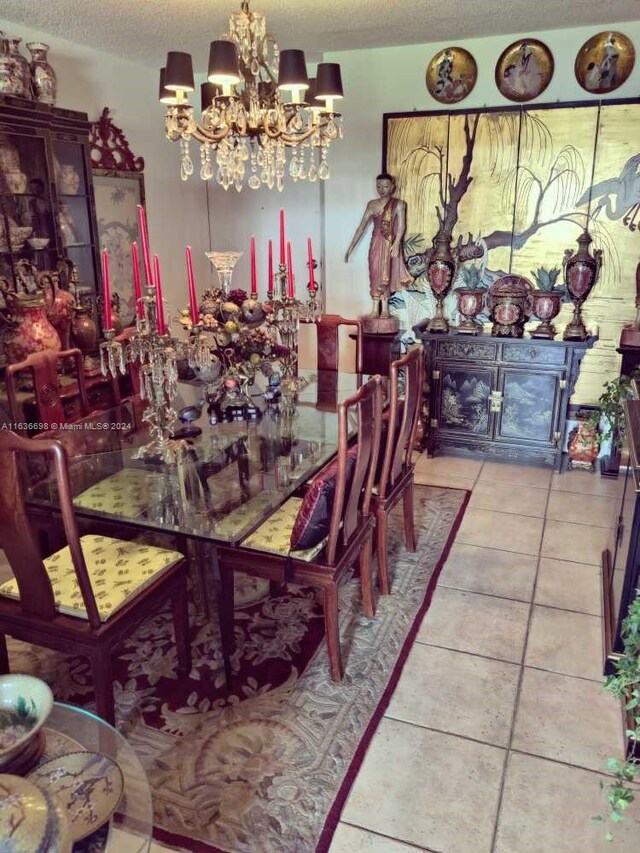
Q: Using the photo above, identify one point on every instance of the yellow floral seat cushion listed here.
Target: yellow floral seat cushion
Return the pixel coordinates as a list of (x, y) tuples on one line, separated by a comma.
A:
[(126, 493), (274, 535), (118, 571)]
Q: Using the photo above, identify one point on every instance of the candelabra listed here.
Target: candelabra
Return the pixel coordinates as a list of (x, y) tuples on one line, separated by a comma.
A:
[(155, 353)]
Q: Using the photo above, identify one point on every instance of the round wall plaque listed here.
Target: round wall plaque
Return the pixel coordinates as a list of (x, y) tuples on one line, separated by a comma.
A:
[(604, 62), (524, 70), (451, 75)]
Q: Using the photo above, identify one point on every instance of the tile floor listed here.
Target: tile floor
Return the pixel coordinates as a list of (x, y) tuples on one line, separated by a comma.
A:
[(498, 732)]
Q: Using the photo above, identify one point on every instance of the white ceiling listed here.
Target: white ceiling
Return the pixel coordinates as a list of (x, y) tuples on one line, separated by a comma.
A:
[(143, 30)]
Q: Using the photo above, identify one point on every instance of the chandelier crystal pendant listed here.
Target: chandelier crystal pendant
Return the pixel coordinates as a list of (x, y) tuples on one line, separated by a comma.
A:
[(247, 125)]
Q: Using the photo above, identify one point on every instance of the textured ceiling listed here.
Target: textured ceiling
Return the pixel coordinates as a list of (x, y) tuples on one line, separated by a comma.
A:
[(143, 30)]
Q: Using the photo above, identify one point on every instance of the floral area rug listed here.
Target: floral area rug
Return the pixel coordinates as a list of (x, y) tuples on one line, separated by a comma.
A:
[(269, 767)]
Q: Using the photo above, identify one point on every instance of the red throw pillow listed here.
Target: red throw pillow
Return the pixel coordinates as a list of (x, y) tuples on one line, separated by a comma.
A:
[(314, 516)]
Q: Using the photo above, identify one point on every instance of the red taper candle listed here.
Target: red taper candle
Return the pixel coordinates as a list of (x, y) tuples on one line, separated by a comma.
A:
[(254, 270), (137, 287), (162, 329), (191, 287), (144, 237), (282, 237), (270, 273), (291, 289), (312, 280), (106, 292)]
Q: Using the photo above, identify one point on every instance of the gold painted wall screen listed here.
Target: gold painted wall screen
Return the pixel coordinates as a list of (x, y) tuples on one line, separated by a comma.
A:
[(521, 184)]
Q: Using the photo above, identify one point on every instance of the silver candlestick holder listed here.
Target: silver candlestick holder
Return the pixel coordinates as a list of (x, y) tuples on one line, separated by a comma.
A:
[(155, 355)]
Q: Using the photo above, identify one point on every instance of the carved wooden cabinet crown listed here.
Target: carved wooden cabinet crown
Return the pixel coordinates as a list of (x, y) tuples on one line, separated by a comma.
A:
[(507, 398)]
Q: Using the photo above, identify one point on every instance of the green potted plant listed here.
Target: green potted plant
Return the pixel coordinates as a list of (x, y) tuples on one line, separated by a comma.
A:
[(625, 685), (546, 301), (609, 418)]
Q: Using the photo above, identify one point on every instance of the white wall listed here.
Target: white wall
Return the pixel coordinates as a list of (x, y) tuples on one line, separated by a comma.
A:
[(89, 80), (393, 80)]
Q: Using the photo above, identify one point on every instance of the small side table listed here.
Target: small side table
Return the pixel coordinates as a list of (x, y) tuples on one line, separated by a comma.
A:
[(378, 351)]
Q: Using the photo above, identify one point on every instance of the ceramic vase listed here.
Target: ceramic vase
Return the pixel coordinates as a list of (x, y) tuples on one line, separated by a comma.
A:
[(509, 302), (68, 180), (22, 72), (546, 307), (584, 445), (470, 304), (581, 271), (441, 271), (11, 82), (43, 77), (60, 304), (83, 330), (29, 327)]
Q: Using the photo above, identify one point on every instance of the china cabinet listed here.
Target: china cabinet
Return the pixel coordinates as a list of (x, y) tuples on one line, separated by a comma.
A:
[(47, 209), (506, 397)]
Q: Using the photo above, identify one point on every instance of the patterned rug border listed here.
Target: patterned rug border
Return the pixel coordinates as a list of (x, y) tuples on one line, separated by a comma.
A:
[(332, 820)]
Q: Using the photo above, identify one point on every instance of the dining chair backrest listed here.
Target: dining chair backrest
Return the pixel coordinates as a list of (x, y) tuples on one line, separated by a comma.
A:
[(44, 370), (403, 417), (328, 341), (352, 498), (17, 537)]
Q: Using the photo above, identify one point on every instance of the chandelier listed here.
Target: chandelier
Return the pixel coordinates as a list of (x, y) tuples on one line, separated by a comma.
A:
[(246, 121)]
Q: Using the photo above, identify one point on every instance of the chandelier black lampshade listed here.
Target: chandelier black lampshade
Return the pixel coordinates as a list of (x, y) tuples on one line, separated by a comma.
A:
[(310, 95), (164, 95), (223, 63), (292, 72), (179, 72), (329, 81), (208, 91)]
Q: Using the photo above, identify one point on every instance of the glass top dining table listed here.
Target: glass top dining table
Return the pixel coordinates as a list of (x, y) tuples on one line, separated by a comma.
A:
[(229, 480)]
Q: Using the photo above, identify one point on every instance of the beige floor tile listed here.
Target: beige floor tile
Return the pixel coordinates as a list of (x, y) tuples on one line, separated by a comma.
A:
[(573, 586), (495, 530), (549, 808), (516, 475), (487, 570), (457, 693), (427, 788), (578, 543), (567, 719), (430, 479), (449, 466), (585, 483), (597, 510), (569, 643), (503, 497), (352, 839), (480, 624)]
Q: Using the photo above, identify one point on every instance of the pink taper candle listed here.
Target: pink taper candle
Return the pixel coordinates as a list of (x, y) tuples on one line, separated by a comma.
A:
[(312, 281), (137, 287), (254, 271), (144, 236), (282, 237), (191, 286), (106, 292), (291, 289), (270, 273), (162, 329)]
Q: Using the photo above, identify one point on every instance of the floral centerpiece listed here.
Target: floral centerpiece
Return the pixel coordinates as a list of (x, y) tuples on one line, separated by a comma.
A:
[(244, 343)]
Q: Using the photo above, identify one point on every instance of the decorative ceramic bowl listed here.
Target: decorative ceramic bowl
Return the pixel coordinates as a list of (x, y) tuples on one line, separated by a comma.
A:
[(38, 242), (19, 234), (25, 703)]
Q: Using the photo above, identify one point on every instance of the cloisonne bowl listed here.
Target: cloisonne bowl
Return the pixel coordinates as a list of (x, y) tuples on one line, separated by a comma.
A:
[(25, 704)]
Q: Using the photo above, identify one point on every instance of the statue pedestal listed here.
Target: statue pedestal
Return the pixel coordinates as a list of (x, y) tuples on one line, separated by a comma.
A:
[(379, 325)]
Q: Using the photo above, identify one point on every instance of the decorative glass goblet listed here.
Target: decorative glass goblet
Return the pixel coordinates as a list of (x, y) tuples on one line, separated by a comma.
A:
[(224, 263)]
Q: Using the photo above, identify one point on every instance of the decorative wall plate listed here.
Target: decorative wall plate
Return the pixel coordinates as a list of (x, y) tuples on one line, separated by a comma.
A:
[(89, 784), (524, 69), (451, 75), (604, 62)]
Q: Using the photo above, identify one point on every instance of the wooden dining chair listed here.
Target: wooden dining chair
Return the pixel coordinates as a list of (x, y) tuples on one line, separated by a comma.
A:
[(44, 372), (87, 597), (396, 471), (328, 341), (313, 540)]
